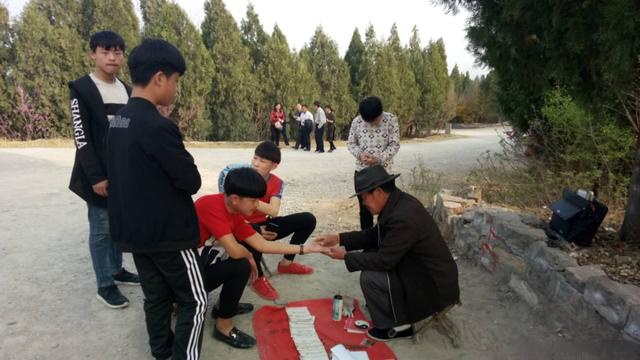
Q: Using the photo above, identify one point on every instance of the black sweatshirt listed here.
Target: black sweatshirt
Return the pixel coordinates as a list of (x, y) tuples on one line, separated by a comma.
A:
[(151, 180), (90, 125)]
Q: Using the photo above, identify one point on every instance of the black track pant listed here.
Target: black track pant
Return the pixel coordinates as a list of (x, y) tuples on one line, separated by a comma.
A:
[(301, 225), (233, 275), (168, 277)]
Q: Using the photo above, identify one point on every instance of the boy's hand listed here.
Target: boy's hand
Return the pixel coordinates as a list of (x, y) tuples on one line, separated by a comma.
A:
[(336, 252), (254, 270), (314, 248), (101, 188), (267, 235), (327, 240)]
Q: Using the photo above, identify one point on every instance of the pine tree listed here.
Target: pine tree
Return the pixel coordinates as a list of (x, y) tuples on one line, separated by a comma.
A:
[(115, 15), (277, 76), (332, 76), (305, 87), (233, 97), (254, 37), (394, 80), (354, 58), (5, 61), (49, 52), (437, 80), (168, 21), (367, 69)]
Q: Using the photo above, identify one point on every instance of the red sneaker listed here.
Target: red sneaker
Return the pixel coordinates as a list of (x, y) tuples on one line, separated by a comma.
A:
[(295, 268), (263, 288)]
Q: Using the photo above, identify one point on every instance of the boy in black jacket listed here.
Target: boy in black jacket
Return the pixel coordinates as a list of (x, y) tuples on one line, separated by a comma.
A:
[(95, 98), (152, 178)]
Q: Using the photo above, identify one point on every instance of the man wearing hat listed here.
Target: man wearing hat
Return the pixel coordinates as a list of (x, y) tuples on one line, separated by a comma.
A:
[(407, 272)]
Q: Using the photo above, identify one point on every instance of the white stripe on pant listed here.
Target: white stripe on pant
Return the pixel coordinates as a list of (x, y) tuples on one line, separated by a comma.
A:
[(199, 293)]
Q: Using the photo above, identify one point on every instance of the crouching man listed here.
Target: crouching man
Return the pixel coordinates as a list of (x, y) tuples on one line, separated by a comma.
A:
[(407, 271)]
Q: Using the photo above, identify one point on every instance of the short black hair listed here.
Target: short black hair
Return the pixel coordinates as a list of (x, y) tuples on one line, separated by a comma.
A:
[(370, 108), (316, 103), (305, 105), (107, 40), (245, 182), (268, 150), (151, 56), (387, 187)]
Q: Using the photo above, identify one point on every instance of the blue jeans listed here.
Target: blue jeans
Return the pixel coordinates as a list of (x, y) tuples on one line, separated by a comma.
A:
[(106, 259)]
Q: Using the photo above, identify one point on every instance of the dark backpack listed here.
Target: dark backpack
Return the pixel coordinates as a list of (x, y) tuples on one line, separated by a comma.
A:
[(575, 219)]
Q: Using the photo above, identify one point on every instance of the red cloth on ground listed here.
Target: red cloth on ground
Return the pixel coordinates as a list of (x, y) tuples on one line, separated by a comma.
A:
[(271, 327)]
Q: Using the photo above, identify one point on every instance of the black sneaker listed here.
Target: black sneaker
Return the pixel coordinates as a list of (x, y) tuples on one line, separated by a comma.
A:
[(126, 278), (388, 334), (112, 297), (243, 308), (236, 338)]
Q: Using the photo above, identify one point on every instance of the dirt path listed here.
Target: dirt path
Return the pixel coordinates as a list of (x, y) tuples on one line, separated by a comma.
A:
[(48, 309)]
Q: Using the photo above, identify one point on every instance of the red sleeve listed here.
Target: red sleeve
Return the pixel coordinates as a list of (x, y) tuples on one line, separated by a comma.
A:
[(274, 117), (242, 230), (214, 220)]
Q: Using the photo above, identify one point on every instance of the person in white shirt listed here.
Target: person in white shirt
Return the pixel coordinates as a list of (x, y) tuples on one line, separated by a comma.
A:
[(306, 122), (319, 120)]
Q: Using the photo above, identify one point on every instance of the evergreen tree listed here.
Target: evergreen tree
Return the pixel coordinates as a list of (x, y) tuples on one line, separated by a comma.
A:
[(166, 20), (49, 52), (115, 15), (456, 79), (277, 76), (437, 81), (233, 96), (305, 87), (353, 58), (331, 74), (394, 81), (254, 37), (5, 61), (367, 69)]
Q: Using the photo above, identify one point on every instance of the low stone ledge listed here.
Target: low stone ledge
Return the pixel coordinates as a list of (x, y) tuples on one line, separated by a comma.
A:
[(578, 276), (512, 246)]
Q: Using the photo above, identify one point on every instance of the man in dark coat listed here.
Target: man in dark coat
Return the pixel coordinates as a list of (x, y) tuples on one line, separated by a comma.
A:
[(407, 271)]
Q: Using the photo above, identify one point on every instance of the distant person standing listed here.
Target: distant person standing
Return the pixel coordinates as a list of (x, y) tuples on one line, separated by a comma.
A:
[(331, 127), (278, 125), (320, 120), (296, 116), (95, 98), (374, 139), (306, 119)]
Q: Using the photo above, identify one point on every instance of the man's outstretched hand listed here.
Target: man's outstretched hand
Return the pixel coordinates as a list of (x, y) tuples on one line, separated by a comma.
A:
[(336, 252), (327, 240)]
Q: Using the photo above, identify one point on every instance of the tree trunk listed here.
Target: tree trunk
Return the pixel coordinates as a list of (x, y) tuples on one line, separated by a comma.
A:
[(630, 231)]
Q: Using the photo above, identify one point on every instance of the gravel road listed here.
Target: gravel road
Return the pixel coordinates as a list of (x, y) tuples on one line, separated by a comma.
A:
[(48, 309)]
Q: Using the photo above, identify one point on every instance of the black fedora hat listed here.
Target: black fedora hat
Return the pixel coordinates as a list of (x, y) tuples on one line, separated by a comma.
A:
[(372, 177)]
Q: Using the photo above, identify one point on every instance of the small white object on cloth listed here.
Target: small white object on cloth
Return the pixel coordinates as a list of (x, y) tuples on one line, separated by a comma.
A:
[(339, 352)]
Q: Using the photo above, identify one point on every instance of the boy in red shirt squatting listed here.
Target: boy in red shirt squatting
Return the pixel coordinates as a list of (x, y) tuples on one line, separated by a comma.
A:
[(266, 221), (225, 261)]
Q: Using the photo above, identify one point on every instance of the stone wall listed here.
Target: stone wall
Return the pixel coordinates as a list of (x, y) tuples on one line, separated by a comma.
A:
[(512, 247)]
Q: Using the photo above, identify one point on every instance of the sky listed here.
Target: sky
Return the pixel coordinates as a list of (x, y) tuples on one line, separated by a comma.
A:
[(298, 20)]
